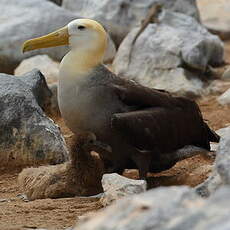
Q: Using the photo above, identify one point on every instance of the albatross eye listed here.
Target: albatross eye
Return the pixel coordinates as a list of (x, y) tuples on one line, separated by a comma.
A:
[(91, 141), (81, 27)]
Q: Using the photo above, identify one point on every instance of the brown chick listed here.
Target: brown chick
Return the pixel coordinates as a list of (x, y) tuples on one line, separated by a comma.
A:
[(81, 176)]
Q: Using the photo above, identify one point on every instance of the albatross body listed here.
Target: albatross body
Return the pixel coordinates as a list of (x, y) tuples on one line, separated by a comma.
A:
[(140, 124)]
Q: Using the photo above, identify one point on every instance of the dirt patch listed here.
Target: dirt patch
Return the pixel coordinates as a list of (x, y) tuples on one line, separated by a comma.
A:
[(47, 213), (216, 115)]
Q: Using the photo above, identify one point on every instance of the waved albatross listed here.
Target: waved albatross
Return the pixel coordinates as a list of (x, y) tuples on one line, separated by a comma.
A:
[(140, 124)]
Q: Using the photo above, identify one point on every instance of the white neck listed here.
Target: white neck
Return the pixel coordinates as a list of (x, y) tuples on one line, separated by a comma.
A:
[(80, 63)]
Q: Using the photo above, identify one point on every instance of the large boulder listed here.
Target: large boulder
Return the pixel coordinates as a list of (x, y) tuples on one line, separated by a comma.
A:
[(26, 19), (121, 16), (27, 135), (166, 52), (164, 208)]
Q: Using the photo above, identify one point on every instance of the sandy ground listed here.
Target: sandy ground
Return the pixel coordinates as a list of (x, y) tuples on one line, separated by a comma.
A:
[(62, 213)]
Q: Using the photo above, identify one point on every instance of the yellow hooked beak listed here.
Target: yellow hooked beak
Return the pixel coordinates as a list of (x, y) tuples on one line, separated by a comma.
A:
[(57, 38)]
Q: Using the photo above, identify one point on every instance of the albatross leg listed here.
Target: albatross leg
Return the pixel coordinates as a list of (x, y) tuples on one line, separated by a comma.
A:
[(143, 163)]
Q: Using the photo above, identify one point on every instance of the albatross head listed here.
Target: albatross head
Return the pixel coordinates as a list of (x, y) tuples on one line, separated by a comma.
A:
[(84, 36)]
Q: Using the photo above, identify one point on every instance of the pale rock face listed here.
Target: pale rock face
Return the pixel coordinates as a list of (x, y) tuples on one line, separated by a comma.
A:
[(48, 67), (164, 208), (164, 54), (121, 16)]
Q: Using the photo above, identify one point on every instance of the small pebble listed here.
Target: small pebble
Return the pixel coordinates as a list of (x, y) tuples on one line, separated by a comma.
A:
[(23, 197)]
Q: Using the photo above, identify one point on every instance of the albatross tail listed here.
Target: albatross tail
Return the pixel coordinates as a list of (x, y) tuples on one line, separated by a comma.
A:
[(212, 135)]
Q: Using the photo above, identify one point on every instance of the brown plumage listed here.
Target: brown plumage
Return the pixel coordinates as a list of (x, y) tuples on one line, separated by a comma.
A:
[(81, 176)]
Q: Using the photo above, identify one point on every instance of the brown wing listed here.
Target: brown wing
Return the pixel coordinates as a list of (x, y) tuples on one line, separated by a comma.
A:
[(161, 130)]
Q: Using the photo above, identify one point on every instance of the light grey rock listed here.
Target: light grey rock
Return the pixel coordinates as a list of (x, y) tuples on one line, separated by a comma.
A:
[(48, 67), (26, 19), (121, 16), (163, 53), (226, 74), (224, 99), (116, 187), (215, 16), (27, 135), (174, 208)]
